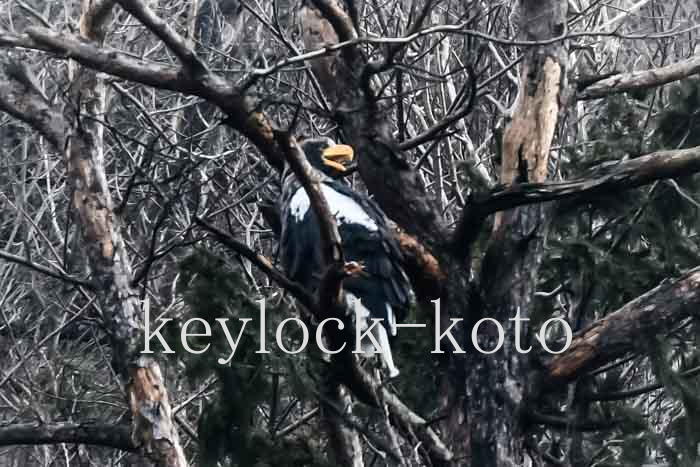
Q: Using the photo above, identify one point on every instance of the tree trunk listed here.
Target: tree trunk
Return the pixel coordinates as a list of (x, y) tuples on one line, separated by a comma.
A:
[(152, 425), (498, 385)]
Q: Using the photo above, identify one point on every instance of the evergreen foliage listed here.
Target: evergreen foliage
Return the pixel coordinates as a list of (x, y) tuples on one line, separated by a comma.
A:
[(610, 250)]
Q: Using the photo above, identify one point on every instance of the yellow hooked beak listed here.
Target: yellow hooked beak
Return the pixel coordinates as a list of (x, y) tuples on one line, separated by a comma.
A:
[(334, 156)]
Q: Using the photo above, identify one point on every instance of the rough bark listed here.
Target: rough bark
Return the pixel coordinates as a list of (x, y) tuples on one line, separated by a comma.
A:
[(527, 139), (345, 441), (153, 431), (497, 385), (605, 179), (111, 436), (153, 428), (33, 110), (643, 79), (628, 328)]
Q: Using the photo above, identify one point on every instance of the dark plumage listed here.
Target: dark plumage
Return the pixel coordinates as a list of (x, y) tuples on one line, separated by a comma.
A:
[(383, 289)]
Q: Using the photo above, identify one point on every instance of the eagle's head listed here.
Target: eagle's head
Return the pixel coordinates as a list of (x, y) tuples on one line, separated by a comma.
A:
[(324, 155)]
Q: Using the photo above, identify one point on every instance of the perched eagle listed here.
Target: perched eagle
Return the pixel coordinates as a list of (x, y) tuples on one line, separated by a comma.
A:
[(382, 288)]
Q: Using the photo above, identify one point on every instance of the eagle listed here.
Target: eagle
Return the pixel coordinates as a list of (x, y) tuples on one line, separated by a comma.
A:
[(382, 290)]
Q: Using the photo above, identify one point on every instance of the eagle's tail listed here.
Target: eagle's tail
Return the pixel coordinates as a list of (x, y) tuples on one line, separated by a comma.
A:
[(379, 332)]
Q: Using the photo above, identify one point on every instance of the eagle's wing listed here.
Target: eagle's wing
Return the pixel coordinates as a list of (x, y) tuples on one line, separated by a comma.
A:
[(366, 238), (372, 242)]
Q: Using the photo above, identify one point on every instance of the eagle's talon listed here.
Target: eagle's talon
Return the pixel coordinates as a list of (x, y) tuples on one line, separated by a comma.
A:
[(354, 268)]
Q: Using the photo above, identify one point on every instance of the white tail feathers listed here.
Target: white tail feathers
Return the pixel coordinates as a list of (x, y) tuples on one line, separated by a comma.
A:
[(379, 332), (387, 358)]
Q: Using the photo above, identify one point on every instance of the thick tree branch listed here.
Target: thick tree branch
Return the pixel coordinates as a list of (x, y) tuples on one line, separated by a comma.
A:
[(641, 79), (408, 420), (422, 268), (338, 18), (630, 393), (601, 180), (563, 423), (20, 41), (129, 67), (176, 43), (56, 274), (81, 142), (629, 328), (242, 114), (497, 388), (33, 110), (344, 438), (98, 434)]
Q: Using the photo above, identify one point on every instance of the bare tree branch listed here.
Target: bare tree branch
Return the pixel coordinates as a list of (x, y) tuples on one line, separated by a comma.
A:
[(34, 111), (643, 79), (629, 328), (241, 111), (262, 263), (56, 274), (98, 434), (612, 177), (126, 66), (167, 34)]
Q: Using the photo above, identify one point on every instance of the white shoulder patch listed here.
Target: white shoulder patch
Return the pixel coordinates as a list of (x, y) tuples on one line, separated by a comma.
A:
[(344, 208), (299, 204)]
